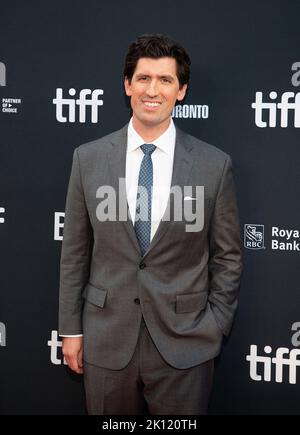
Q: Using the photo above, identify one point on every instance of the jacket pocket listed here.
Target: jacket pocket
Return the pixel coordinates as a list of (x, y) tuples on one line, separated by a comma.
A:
[(94, 295), (187, 303)]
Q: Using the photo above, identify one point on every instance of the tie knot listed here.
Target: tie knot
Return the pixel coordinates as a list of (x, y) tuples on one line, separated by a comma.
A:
[(148, 148)]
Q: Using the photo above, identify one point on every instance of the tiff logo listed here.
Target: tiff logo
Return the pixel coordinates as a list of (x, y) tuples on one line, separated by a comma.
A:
[(284, 357), (2, 334), (69, 104), (2, 210), (289, 104), (286, 107), (2, 74), (54, 344)]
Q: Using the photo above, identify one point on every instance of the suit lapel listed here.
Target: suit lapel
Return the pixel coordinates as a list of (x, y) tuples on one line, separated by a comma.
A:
[(182, 166), (116, 161)]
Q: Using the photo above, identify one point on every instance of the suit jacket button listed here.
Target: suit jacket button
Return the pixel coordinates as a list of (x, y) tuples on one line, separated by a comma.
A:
[(137, 301), (142, 265)]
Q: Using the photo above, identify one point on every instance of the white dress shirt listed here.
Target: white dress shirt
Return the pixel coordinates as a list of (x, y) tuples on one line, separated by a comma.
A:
[(162, 159)]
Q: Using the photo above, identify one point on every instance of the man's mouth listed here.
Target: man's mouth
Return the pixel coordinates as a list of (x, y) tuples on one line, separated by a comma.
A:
[(152, 103)]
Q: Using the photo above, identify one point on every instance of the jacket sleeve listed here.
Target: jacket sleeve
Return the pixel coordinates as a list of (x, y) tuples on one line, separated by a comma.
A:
[(225, 263), (75, 255)]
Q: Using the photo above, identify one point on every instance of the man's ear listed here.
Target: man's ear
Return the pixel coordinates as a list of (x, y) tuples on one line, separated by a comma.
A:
[(182, 92), (127, 86)]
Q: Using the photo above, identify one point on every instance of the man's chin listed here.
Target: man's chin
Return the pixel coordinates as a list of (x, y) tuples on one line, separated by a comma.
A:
[(151, 121)]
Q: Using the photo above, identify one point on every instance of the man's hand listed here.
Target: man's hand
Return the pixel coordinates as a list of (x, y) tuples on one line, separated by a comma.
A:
[(72, 348)]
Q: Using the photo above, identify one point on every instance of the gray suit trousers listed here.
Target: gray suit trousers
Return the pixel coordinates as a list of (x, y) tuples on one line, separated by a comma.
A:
[(148, 385)]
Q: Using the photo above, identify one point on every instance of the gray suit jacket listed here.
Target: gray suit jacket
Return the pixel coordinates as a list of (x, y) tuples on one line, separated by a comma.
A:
[(186, 284)]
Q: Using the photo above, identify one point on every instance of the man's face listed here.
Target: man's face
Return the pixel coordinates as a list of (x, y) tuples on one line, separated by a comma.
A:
[(154, 89)]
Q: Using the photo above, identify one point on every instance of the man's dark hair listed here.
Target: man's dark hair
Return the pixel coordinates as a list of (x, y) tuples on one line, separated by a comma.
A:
[(156, 46)]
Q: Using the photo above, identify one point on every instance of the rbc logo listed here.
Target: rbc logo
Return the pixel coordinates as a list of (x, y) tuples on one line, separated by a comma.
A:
[(254, 236), (69, 114)]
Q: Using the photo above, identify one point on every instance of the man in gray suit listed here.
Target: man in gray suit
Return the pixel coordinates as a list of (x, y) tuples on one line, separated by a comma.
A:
[(146, 295)]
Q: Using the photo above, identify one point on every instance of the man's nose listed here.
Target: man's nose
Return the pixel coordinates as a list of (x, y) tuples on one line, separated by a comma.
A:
[(152, 89)]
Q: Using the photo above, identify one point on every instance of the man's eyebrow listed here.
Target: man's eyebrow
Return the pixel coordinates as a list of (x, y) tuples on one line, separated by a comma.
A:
[(166, 76), (163, 76)]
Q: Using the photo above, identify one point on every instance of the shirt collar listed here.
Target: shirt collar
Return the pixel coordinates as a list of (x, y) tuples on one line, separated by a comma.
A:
[(165, 142)]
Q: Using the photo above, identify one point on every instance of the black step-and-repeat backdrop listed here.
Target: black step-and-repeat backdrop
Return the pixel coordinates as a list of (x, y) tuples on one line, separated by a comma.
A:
[(60, 86)]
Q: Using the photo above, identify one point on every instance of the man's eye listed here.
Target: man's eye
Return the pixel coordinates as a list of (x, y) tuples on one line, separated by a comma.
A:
[(142, 78), (164, 80)]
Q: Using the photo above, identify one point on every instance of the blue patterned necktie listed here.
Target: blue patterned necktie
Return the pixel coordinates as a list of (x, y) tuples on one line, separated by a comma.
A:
[(144, 199)]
